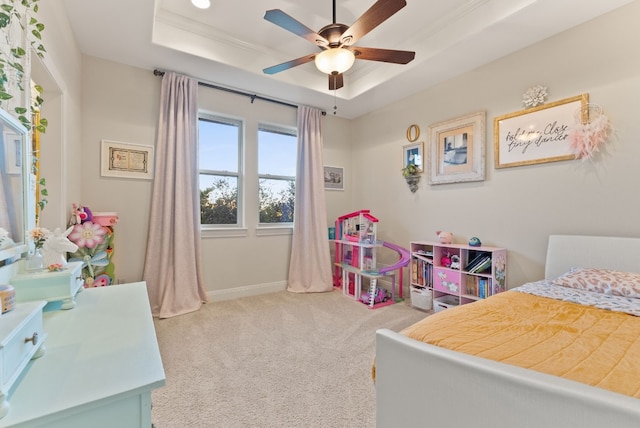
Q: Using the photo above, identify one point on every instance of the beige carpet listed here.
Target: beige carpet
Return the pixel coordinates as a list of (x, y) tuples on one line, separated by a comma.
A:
[(277, 360)]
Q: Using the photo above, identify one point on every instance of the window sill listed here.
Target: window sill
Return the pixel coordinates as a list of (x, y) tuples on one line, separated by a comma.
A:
[(224, 233), (237, 232), (274, 230)]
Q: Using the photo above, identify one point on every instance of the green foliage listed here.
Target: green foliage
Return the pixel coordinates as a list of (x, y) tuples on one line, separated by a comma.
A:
[(279, 207), (42, 199), (11, 68), (410, 170), (219, 204)]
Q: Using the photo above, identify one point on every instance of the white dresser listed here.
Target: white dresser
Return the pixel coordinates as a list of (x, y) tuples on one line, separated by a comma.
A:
[(101, 363)]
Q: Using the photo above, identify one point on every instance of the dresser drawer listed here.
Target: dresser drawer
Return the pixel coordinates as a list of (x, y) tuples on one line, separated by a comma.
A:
[(22, 335)]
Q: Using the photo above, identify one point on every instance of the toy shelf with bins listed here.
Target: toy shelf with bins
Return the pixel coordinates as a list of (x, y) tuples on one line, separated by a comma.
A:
[(465, 272)]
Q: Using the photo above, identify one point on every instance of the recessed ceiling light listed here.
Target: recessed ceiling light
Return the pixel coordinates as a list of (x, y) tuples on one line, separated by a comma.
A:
[(202, 4)]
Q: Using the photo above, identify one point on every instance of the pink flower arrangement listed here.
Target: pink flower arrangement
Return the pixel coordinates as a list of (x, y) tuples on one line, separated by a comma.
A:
[(87, 234), (38, 235)]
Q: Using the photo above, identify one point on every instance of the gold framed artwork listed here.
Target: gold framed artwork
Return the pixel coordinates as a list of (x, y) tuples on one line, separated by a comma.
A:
[(457, 149), (126, 160), (538, 134)]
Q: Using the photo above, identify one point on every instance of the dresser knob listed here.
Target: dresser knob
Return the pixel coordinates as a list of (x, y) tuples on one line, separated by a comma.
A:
[(33, 338)]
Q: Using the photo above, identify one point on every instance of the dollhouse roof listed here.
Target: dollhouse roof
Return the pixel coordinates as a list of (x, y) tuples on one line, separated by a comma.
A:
[(364, 213)]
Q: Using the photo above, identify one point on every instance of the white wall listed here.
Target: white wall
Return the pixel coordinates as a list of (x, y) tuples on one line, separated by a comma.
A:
[(59, 73), (120, 103), (517, 207)]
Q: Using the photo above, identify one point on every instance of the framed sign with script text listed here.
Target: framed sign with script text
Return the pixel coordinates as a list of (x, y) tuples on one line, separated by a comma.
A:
[(538, 134)]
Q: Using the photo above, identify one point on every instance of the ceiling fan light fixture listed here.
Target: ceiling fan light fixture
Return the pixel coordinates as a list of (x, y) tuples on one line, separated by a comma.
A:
[(202, 4), (335, 60)]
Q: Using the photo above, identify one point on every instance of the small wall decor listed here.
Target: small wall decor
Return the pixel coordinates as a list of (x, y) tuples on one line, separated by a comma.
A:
[(586, 136), (536, 135), (333, 178), (413, 133), (457, 149), (126, 160), (534, 96), (412, 154), (412, 164)]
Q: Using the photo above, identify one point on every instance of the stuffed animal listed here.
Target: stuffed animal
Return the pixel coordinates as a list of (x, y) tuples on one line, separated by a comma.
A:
[(80, 214), (475, 242), (445, 237)]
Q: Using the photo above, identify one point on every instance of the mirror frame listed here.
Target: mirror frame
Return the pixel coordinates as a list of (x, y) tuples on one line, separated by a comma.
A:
[(28, 214)]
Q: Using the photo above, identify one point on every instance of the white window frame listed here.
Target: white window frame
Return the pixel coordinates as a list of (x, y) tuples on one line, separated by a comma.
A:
[(231, 230), (275, 228)]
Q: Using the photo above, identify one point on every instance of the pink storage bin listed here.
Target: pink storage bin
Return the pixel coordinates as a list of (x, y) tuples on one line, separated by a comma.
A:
[(105, 219)]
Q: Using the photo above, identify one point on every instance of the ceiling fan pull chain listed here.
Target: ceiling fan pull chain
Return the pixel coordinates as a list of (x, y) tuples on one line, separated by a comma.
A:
[(335, 102)]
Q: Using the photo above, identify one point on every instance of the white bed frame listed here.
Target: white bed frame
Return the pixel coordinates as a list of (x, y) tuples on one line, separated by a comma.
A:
[(421, 385)]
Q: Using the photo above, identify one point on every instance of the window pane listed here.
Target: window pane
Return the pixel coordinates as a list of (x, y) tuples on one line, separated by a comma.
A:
[(218, 145), (277, 200), (277, 153), (218, 199)]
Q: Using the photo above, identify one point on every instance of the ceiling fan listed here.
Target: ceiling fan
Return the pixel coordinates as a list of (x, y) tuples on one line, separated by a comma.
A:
[(337, 41)]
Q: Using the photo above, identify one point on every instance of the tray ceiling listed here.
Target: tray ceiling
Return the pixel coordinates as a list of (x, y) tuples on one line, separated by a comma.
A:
[(230, 43)]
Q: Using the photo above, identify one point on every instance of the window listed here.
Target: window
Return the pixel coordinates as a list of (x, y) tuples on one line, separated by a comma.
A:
[(277, 153), (220, 166)]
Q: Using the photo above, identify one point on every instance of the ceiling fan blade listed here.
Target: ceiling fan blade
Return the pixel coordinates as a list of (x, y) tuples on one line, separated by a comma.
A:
[(336, 81), (289, 64), (376, 15), (285, 21), (383, 55)]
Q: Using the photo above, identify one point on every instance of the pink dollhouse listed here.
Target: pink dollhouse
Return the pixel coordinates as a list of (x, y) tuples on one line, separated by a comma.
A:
[(355, 257)]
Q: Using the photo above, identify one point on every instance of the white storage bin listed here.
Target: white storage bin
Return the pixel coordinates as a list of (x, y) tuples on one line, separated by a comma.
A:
[(445, 302), (421, 298)]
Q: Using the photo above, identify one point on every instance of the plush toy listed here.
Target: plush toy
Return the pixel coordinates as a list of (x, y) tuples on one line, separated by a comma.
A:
[(445, 237), (475, 242), (80, 214)]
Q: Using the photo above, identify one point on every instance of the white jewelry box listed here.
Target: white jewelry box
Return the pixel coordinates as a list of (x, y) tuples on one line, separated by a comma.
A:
[(50, 286)]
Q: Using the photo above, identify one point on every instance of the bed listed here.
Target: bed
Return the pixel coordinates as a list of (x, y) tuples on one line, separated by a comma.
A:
[(419, 384)]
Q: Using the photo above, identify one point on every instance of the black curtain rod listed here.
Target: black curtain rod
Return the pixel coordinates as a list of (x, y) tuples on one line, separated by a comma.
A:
[(237, 92)]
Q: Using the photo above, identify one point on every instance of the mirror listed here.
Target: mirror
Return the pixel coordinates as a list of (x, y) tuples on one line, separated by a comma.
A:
[(14, 171)]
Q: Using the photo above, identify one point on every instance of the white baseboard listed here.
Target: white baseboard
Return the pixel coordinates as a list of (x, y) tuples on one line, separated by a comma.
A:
[(271, 287), (246, 291)]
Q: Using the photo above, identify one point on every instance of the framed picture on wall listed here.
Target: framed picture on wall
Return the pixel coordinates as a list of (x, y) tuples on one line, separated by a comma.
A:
[(333, 178), (126, 160), (538, 134), (457, 149), (413, 154)]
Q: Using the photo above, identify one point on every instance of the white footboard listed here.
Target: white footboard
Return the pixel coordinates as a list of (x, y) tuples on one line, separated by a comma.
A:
[(421, 385)]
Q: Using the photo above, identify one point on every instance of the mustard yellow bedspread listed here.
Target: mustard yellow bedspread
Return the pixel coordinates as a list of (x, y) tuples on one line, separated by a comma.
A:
[(586, 344)]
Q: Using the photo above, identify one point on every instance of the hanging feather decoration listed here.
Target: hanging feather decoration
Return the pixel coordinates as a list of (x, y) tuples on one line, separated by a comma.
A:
[(591, 130)]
